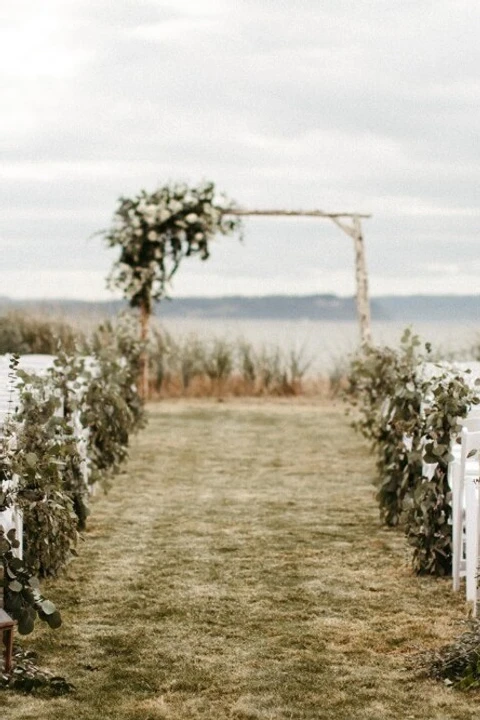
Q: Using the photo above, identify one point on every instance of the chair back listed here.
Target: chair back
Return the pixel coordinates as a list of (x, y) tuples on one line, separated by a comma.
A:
[(470, 448)]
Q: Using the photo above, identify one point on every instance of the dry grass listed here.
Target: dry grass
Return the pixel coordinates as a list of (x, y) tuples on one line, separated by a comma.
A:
[(238, 571)]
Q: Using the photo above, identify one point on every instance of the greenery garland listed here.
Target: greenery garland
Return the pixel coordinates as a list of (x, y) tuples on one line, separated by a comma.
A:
[(385, 393), (21, 589), (428, 515)]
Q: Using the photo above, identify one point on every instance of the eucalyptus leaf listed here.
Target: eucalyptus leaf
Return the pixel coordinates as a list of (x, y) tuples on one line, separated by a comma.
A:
[(48, 607), (54, 620)]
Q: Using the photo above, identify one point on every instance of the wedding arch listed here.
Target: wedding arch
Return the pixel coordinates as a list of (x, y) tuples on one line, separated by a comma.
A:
[(351, 224)]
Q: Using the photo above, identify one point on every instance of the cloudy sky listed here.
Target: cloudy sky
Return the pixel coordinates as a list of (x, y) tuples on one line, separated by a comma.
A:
[(339, 105)]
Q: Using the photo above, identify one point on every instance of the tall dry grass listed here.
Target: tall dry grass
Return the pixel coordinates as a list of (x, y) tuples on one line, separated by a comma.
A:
[(194, 367), (187, 366)]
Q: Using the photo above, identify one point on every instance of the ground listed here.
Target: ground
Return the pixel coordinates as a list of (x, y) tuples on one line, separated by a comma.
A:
[(237, 569)]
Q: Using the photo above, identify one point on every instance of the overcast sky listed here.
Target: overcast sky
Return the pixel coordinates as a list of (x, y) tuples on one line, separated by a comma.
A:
[(339, 105)]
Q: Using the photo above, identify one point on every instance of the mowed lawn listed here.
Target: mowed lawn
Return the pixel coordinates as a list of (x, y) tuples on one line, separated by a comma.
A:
[(237, 570)]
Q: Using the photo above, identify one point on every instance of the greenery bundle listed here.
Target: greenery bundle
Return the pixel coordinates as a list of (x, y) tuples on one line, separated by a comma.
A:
[(385, 389), (44, 457), (411, 420), (42, 470), (428, 527)]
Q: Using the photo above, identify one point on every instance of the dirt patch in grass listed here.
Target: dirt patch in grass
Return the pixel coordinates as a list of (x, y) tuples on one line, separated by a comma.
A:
[(237, 570)]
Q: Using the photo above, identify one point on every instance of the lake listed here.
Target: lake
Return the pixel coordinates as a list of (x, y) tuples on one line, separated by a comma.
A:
[(325, 343)]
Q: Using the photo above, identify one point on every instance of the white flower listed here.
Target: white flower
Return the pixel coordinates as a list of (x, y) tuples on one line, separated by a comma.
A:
[(191, 218), (163, 215), (175, 206), (198, 236), (152, 235), (139, 233)]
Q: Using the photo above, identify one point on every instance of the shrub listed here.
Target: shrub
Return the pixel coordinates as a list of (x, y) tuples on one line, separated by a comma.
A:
[(19, 583), (48, 466), (386, 391), (112, 408), (428, 526)]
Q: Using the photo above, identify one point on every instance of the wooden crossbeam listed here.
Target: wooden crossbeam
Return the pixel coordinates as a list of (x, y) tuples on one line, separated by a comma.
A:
[(295, 213)]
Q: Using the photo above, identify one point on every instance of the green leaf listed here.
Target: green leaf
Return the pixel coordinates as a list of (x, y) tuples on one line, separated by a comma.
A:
[(54, 620), (16, 564), (4, 546), (26, 624), (31, 459), (48, 607)]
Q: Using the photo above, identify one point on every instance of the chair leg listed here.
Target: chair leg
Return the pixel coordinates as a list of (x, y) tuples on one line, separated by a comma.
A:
[(457, 521), (472, 531), (8, 644)]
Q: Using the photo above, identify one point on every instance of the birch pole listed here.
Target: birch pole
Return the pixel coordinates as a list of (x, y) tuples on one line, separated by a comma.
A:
[(361, 276), (355, 232)]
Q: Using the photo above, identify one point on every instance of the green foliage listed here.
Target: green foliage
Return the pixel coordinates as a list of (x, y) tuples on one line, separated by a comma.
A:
[(41, 450), (23, 333), (111, 407), (116, 349), (427, 517), (69, 378), (386, 391), (43, 473), (109, 420), (21, 589), (155, 231)]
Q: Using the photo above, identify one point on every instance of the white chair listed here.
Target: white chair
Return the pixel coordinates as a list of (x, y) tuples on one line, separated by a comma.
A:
[(456, 482), (467, 494)]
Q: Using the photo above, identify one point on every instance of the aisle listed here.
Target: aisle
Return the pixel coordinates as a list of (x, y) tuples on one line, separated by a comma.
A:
[(237, 570)]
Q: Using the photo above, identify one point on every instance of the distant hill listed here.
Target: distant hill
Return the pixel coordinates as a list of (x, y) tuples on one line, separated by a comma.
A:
[(411, 308)]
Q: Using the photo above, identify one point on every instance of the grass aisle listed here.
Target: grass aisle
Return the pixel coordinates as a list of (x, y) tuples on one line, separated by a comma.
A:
[(237, 570)]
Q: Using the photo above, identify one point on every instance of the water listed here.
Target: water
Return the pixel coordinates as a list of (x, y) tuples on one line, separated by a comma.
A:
[(326, 344)]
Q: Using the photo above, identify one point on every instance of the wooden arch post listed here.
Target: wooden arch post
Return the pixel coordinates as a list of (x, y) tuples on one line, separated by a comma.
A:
[(354, 230), (361, 277)]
